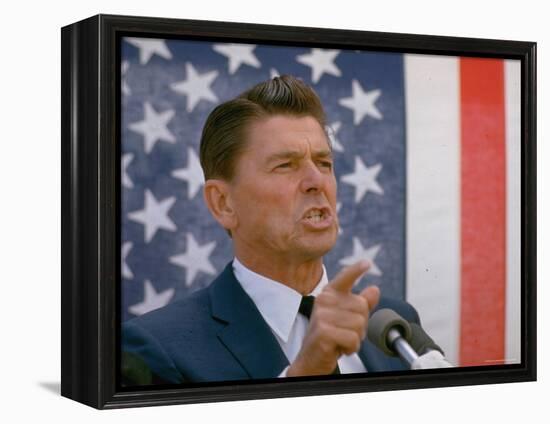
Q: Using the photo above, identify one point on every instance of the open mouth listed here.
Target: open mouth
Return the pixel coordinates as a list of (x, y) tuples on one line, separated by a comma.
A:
[(315, 215)]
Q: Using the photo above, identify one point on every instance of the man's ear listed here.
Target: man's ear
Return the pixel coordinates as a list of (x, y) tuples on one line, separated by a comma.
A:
[(218, 200)]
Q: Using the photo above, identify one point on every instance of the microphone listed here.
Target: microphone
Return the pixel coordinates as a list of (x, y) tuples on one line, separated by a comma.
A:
[(392, 334), (396, 337), (421, 342), (431, 355)]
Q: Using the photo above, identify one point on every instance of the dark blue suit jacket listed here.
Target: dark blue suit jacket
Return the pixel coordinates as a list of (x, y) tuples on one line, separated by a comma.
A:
[(218, 334)]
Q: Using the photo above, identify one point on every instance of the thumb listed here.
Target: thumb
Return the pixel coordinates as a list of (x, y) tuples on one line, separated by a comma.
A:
[(372, 296), (346, 278)]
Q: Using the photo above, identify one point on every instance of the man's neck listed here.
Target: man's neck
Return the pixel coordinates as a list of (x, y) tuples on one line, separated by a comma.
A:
[(301, 276)]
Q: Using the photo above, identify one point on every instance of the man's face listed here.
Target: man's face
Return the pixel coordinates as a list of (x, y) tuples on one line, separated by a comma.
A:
[(284, 190)]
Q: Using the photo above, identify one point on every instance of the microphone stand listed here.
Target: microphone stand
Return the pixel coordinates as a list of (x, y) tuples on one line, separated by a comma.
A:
[(403, 348)]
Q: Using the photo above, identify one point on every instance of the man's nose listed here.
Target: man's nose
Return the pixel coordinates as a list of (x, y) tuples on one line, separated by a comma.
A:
[(312, 178)]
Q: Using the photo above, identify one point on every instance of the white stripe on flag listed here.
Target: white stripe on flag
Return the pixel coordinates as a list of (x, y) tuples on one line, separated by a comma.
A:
[(512, 82), (433, 196)]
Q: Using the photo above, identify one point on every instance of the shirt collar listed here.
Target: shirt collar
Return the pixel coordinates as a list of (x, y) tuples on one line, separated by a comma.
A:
[(278, 304)]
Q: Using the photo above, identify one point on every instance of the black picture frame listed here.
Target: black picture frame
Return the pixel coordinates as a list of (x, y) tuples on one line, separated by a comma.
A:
[(90, 204)]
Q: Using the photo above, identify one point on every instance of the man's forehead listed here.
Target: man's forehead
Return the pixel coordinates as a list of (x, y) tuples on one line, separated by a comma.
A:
[(297, 153), (280, 134)]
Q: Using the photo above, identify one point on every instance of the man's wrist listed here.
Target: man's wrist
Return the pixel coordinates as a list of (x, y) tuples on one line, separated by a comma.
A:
[(291, 371), (299, 369)]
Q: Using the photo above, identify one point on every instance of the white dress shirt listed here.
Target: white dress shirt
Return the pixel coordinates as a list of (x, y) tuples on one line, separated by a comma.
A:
[(279, 305)]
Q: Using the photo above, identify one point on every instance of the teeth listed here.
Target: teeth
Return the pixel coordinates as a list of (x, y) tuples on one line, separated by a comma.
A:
[(315, 216)]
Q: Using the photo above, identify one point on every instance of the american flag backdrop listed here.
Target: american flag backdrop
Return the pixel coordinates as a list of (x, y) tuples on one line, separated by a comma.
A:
[(426, 153)]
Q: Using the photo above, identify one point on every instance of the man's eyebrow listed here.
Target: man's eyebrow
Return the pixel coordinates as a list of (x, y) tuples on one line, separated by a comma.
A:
[(294, 154), (322, 154)]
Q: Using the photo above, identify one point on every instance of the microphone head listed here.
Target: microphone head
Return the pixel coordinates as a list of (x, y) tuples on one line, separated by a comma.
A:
[(421, 342), (380, 323)]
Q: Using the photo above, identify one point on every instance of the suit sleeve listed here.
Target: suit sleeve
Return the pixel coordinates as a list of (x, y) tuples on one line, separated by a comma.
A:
[(144, 359)]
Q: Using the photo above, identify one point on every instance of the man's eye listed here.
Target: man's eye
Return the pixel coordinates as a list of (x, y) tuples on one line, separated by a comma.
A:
[(326, 164), (284, 165)]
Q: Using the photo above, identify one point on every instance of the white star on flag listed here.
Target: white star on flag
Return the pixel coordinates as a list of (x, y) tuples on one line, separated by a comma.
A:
[(196, 86), (332, 130), (274, 73), (192, 174), (321, 61), (238, 54), (126, 159), (154, 215), (364, 179), (125, 88), (362, 102), (195, 259), (151, 299), (360, 253), (126, 271), (149, 47), (153, 127)]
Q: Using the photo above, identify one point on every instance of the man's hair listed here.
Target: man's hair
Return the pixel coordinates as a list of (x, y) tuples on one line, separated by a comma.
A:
[(224, 133)]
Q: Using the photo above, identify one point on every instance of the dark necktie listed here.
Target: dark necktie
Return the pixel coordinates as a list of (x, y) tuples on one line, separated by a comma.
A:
[(306, 307)]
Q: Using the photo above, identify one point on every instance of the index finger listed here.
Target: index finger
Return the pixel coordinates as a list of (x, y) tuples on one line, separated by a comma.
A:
[(345, 279)]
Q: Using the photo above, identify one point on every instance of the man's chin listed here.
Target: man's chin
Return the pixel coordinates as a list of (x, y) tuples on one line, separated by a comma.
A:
[(316, 247)]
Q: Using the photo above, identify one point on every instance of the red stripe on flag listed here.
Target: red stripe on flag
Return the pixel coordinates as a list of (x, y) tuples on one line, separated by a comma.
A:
[(483, 212)]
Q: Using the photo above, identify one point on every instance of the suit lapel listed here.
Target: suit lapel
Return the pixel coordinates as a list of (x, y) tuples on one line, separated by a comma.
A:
[(246, 335)]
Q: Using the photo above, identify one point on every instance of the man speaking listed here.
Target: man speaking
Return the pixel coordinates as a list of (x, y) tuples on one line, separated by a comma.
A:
[(272, 312)]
